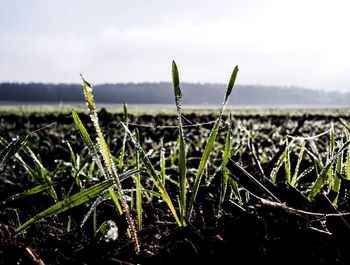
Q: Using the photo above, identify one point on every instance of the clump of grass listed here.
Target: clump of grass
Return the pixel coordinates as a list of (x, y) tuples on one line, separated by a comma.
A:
[(109, 186), (157, 180), (210, 143)]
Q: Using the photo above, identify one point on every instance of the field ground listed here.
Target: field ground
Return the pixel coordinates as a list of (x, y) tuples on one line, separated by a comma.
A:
[(272, 212), (153, 109)]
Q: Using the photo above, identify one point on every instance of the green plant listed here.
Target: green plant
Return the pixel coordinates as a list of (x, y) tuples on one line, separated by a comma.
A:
[(210, 142), (109, 162)]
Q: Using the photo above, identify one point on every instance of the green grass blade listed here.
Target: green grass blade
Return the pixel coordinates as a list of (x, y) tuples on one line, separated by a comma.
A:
[(274, 171), (72, 201), (40, 172), (331, 141), (125, 113), (182, 172), (287, 167), (72, 156), (137, 180), (109, 162), (296, 171), (11, 149), (149, 167), (30, 192), (114, 198), (316, 152), (87, 87), (322, 177), (153, 174), (34, 174), (204, 159), (101, 197), (87, 139), (235, 188), (210, 143), (112, 194), (347, 165), (176, 80), (225, 156), (138, 200), (162, 163), (345, 124), (182, 145), (336, 180), (347, 154), (122, 152), (231, 84)]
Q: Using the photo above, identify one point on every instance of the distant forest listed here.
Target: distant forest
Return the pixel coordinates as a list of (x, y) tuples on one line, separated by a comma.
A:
[(162, 93)]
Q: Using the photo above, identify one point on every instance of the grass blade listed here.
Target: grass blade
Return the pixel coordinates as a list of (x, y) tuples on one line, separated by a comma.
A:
[(287, 167), (331, 141), (108, 161), (72, 201), (336, 179), (296, 171), (11, 149), (182, 145), (86, 137), (101, 197), (153, 174), (39, 173), (122, 152), (30, 192), (210, 143), (347, 165), (162, 163), (137, 180), (276, 168), (225, 156), (347, 156), (322, 177)]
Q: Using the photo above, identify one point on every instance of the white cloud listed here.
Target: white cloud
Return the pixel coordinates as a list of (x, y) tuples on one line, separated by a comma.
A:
[(274, 42)]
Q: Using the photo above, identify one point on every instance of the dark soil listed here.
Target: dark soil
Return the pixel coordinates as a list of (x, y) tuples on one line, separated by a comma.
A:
[(257, 233)]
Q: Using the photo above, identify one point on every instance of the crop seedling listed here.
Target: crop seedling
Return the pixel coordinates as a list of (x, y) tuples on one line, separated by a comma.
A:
[(240, 161)]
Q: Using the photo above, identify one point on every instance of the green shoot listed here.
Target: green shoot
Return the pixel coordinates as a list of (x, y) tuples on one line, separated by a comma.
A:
[(70, 202), (296, 171), (11, 149), (30, 192), (210, 143), (152, 172), (162, 162), (108, 161), (122, 152), (86, 137), (287, 167), (137, 180), (225, 172), (182, 148), (322, 176)]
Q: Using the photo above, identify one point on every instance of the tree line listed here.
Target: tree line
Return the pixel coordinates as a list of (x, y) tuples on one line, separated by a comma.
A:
[(162, 93)]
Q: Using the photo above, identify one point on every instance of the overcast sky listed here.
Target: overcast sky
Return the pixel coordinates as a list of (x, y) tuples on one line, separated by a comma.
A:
[(274, 42)]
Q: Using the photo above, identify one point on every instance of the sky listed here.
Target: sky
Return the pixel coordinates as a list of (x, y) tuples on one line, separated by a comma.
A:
[(274, 42)]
